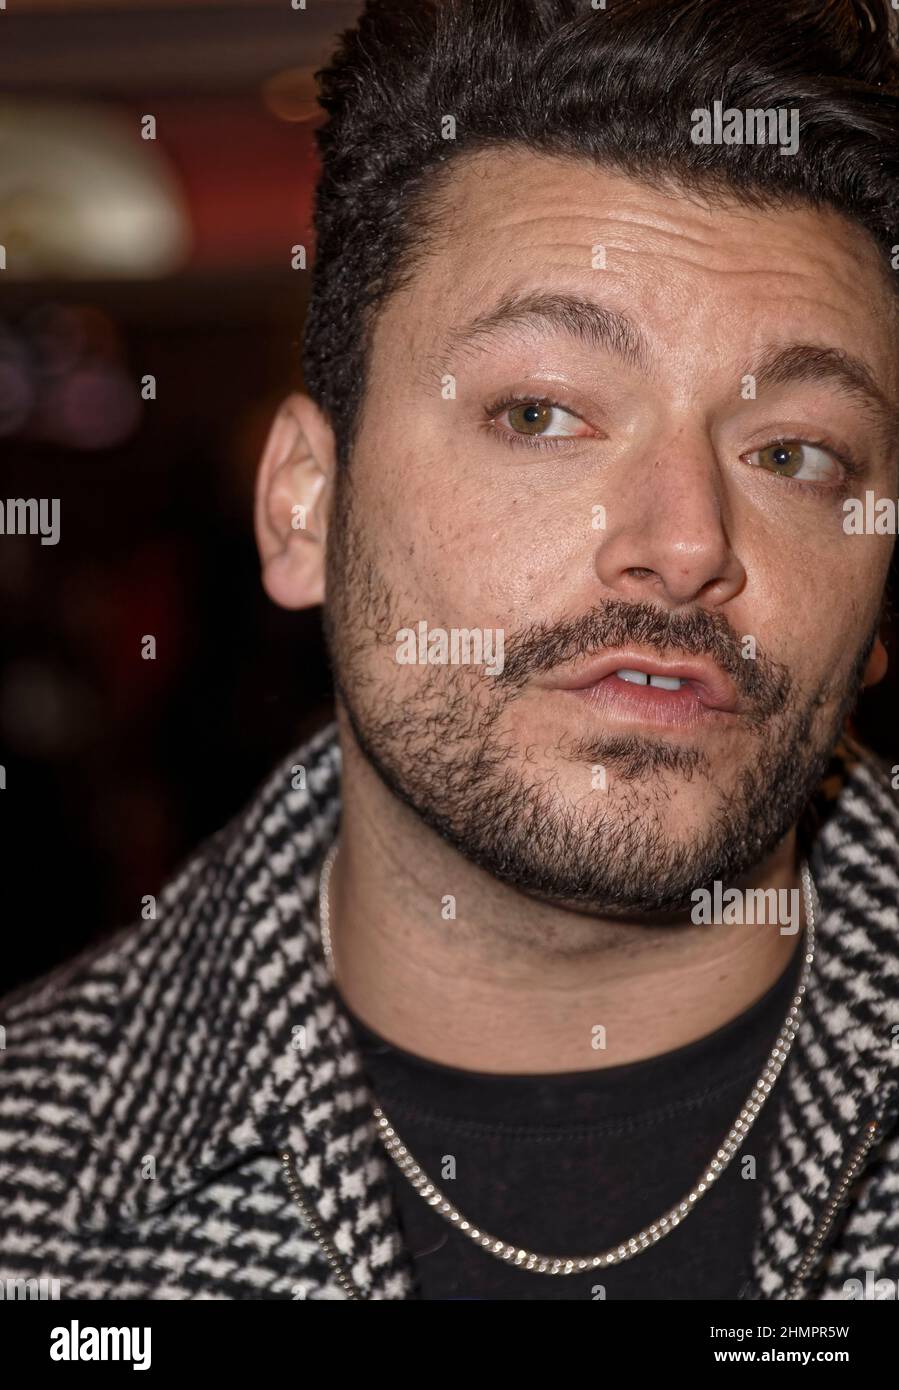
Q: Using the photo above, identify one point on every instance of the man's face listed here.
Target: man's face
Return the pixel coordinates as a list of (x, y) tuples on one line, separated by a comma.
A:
[(616, 426)]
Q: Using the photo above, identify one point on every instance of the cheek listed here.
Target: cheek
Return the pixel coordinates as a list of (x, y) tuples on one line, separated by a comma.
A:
[(511, 566), (815, 605), (451, 551)]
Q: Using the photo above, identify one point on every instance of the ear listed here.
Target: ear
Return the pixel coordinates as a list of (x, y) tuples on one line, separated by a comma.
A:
[(294, 487), (877, 663)]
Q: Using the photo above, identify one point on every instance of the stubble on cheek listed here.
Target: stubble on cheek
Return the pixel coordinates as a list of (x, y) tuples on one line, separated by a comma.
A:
[(471, 754)]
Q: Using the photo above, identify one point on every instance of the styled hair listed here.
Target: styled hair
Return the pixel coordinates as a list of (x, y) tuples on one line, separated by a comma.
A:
[(615, 86)]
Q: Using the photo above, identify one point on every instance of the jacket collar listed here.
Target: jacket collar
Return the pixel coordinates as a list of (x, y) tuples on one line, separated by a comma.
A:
[(844, 1067), (228, 1039)]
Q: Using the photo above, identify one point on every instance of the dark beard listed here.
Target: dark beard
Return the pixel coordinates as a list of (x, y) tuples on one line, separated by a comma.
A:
[(442, 754)]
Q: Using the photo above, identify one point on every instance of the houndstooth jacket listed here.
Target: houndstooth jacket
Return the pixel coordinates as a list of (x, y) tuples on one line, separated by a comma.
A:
[(183, 1113)]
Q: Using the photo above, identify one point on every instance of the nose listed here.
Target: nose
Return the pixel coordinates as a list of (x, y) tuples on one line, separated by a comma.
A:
[(666, 534)]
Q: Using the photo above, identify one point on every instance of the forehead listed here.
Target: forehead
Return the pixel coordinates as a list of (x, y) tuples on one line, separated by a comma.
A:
[(690, 269)]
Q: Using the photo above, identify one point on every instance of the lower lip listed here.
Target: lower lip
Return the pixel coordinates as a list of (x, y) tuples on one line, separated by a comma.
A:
[(615, 699)]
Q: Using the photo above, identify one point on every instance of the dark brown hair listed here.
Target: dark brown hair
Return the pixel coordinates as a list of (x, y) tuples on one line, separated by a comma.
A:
[(616, 86)]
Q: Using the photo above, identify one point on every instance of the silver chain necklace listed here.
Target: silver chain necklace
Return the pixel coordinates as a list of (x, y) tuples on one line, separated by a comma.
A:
[(665, 1224)]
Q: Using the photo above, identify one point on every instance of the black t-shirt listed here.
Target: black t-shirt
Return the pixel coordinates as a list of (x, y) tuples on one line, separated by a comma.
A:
[(572, 1163)]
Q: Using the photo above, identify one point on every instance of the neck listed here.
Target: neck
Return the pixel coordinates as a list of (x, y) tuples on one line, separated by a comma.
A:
[(511, 984)]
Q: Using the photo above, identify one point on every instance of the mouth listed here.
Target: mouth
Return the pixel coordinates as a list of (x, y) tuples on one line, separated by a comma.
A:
[(631, 686)]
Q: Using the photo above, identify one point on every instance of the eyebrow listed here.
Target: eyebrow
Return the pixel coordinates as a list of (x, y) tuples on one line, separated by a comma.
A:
[(598, 326), (584, 319), (810, 362)]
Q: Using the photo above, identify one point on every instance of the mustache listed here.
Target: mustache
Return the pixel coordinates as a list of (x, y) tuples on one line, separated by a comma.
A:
[(763, 683)]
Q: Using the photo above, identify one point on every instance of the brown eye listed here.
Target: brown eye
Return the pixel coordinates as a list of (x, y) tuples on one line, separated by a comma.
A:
[(530, 418), (794, 459), (783, 458)]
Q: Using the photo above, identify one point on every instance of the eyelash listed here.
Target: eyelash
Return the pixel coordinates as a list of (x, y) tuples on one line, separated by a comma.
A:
[(851, 467), (527, 441)]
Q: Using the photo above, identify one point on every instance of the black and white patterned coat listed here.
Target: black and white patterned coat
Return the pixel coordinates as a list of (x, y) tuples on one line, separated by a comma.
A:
[(150, 1090)]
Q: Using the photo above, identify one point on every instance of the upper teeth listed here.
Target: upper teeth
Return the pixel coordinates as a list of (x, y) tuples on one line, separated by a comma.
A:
[(641, 678)]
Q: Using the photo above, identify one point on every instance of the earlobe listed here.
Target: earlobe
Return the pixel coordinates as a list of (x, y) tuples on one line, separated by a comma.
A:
[(293, 490), (877, 663)]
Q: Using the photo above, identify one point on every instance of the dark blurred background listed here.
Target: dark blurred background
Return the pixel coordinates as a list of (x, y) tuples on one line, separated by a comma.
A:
[(170, 258), (128, 257)]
